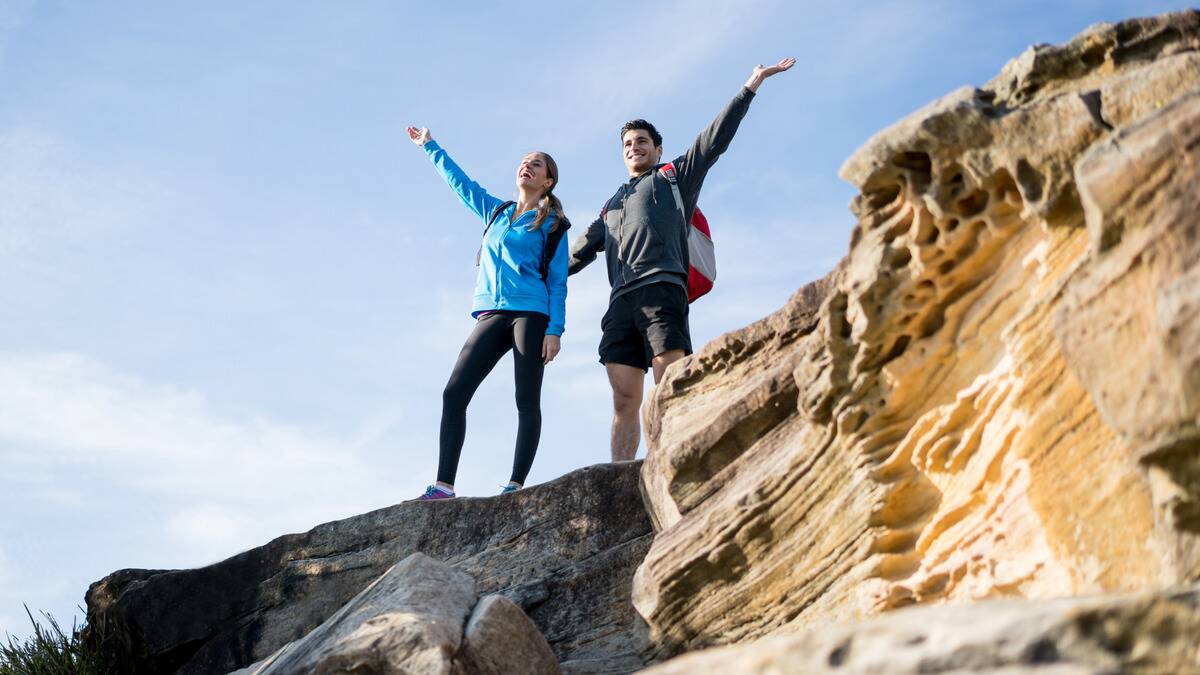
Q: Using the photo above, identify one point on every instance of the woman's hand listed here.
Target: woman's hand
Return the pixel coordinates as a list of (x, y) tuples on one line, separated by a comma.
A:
[(762, 72), (551, 344), (419, 136)]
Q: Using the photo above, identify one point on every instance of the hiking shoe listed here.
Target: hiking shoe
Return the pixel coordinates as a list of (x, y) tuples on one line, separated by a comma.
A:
[(434, 492), (509, 488)]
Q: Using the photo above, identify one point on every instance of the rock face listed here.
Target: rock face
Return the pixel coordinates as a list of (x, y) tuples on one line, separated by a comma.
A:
[(1145, 633), (564, 552), (996, 394)]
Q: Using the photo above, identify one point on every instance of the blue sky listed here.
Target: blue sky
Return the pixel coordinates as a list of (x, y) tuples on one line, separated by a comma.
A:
[(231, 290)]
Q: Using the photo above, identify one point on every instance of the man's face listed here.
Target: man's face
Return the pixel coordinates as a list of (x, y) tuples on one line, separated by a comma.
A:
[(639, 151)]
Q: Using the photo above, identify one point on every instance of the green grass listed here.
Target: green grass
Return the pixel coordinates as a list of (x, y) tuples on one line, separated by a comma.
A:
[(49, 651)]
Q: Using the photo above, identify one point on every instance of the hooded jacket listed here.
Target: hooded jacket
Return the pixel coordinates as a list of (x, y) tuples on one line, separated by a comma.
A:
[(640, 229), (510, 275)]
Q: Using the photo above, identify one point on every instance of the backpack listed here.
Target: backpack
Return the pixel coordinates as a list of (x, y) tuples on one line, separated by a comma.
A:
[(551, 244), (702, 257)]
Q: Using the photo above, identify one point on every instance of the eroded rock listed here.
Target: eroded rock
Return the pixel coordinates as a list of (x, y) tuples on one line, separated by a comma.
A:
[(1140, 298), (924, 434)]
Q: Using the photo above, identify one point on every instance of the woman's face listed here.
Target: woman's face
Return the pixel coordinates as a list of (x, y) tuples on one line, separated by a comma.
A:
[(534, 174)]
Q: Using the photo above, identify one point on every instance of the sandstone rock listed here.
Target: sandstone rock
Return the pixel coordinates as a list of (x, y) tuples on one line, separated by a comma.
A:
[(1140, 299), (921, 427), (408, 621), (564, 552), (1146, 633), (500, 639)]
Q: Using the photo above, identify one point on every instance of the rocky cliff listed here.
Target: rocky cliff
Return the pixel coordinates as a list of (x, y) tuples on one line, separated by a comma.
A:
[(994, 396)]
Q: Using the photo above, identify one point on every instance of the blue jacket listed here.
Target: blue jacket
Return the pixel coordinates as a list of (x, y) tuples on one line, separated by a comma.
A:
[(509, 266)]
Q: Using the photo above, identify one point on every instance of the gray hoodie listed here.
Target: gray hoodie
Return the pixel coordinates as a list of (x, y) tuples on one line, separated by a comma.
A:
[(640, 229)]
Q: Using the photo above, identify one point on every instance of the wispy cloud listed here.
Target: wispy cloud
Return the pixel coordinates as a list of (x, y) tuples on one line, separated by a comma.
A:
[(215, 468)]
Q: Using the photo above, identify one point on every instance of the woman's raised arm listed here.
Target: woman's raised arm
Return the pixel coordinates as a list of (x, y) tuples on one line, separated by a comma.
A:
[(472, 195)]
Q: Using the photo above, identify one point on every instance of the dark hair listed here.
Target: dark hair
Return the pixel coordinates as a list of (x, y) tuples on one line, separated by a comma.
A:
[(549, 200), (645, 126)]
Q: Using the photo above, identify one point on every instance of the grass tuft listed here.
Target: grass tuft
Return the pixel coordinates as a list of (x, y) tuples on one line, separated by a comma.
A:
[(49, 651)]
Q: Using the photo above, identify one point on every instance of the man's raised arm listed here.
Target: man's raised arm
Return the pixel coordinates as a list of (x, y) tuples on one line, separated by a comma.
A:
[(715, 139)]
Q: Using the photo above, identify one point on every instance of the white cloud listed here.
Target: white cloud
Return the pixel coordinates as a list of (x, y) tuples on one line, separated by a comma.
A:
[(173, 445)]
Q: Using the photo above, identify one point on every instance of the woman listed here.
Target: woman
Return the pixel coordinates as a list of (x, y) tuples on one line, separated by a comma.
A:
[(520, 303)]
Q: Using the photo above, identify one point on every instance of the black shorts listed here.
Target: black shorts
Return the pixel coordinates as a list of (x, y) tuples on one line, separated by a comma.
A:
[(644, 323)]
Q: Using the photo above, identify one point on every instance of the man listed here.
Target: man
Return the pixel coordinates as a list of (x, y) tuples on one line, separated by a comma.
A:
[(644, 237)]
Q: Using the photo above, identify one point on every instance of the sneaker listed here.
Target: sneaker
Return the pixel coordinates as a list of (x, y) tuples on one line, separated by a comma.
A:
[(435, 492), (509, 488)]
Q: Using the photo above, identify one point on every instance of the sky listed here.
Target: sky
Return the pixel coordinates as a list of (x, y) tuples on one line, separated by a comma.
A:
[(231, 290)]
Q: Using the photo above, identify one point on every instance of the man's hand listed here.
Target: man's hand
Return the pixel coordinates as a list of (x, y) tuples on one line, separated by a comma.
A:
[(419, 136), (550, 346), (762, 72)]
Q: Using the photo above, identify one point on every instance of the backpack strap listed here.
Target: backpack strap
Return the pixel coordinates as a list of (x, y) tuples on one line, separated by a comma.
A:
[(551, 247), (491, 219), (668, 172), (496, 214)]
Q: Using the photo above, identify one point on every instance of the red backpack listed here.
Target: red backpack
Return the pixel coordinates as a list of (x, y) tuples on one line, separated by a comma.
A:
[(702, 257)]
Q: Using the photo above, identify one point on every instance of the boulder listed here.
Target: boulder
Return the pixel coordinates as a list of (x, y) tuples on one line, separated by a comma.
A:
[(499, 639), (938, 420), (1142, 633), (564, 552), (410, 620)]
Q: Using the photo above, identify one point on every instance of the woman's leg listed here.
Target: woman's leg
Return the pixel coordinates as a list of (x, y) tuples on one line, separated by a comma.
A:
[(528, 332), (489, 340)]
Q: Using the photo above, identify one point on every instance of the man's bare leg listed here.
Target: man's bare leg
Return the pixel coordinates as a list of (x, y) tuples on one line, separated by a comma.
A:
[(663, 360), (627, 383)]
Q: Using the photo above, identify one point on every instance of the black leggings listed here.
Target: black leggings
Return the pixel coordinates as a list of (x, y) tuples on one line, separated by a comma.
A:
[(494, 335)]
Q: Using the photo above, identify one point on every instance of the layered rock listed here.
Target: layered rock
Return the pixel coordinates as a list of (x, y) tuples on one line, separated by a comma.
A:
[(564, 552), (937, 420), (1141, 633)]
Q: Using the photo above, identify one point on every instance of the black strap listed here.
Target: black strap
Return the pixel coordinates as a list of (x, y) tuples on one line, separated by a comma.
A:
[(551, 246), (496, 214), (491, 219)]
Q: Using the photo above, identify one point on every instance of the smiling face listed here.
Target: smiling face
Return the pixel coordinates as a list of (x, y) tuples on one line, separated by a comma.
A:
[(534, 174), (639, 151)]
